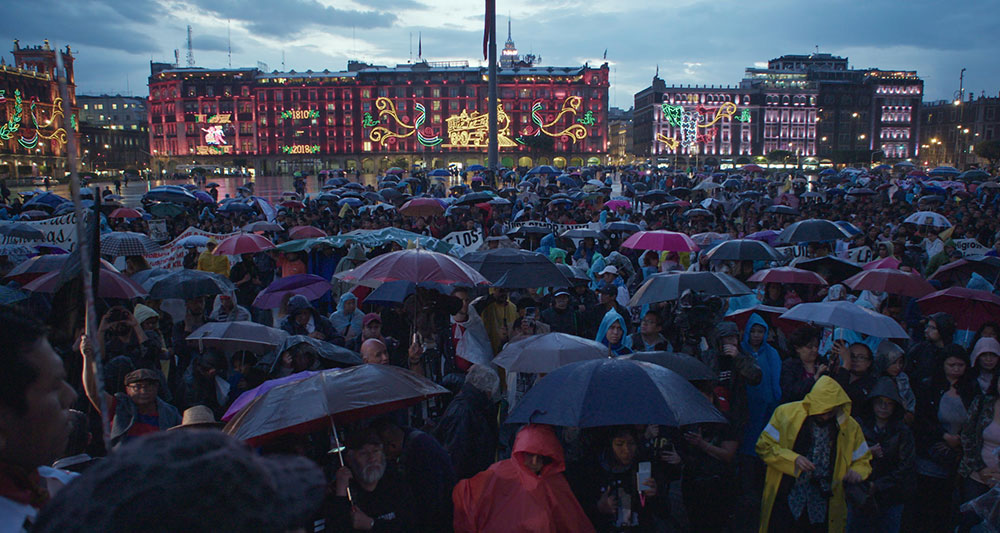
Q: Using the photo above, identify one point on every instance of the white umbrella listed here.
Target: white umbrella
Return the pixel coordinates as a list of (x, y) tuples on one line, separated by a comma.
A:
[(238, 335), (928, 218), (846, 315), (541, 354)]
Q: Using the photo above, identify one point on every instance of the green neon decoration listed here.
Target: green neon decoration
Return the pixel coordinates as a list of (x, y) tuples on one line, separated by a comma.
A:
[(13, 122), (587, 119), (72, 121), (29, 143), (744, 116), (368, 121), (674, 114)]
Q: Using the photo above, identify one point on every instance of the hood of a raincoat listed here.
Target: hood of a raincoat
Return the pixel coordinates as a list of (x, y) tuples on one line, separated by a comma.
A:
[(344, 298), (356, 253), (341, 320), (825, 396), (984, 345), (886, 354), (557, 253), (979, 283), (885, 387), (611, 317), (539, 440), (546, 243), (299, 303), (754, 320), (835, 293)]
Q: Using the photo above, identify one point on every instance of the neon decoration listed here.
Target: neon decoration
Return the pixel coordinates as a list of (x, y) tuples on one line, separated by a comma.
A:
[(381, 134), (299, 114), (9, 129), (301, 149), (28, 143), (690, 121), (744, 116), (13, 123), (368, 121), (221, 118), (587, 119), (472, 130), (214, 136), (421, 118), (3, 96)]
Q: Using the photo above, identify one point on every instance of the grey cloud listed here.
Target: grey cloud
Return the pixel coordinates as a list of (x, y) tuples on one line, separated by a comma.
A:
[(287, 18), (213, 43), (99, 23)]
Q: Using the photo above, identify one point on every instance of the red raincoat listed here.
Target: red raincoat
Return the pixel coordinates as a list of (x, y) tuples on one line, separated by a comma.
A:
[(510, 497)]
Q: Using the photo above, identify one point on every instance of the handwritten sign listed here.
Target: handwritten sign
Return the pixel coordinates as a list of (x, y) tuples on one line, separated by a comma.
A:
[(59, 231), (469, 240), (970, 247)]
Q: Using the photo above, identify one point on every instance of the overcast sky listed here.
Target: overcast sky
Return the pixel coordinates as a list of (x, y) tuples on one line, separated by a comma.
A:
[(692, 41)]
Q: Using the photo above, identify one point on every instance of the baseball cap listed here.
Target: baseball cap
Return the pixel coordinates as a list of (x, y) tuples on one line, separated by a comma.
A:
[(143, 374), (610, 269), (561, 292), (608, 289), (369, 318), (203, 481)]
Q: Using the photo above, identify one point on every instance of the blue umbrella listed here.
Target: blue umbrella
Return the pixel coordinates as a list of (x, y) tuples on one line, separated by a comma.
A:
[(828, 172), (476, 168), (544, 169), (934, 189), (236, 207), (46, 200), (567, 180), (171, 194), (353, 202), (848, 227), (612, 392), (337, 182), (944, 171), (439, 172)]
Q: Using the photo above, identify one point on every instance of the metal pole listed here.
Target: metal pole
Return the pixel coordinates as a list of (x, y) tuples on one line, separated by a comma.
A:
[(492, 154)]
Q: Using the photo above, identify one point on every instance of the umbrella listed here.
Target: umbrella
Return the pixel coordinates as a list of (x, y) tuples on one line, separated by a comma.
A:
[(665, 287), (238, 335), (654, 196), (661, 240), (708, 186), (146, 277), (476, 168), (960, 271), (787, 275), (812, 230), (309, 285), (583, 233), (611, 392), (188, 284), (887, 262), (421, 207), (415, 265), (244, 243), (474, 198), (573, 274), (34, 214), (769, 313), (21, 230), (169, 194), (165, 210), (617, 204), (832, 268), (928, 218), (119, 243), (263, 225), (782, 210), (544, 170), (752, 168), (969, 307), (331, 352), (860, 191), (974, 175), (516, 269), (698, 212), (541, 354), (769, 236), (891, 281), (249, 396), (9, 296), (847, 315), (37, 266), (439, 172), (306, 232), (341, 395), (203, 197), (690, 368), (124, 212), (944, 171), (394, 292), (111, 284), (526, 231), (627, 227), (744, 250)]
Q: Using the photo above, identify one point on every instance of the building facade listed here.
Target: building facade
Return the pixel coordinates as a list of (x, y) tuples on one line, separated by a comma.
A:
[(620, 150), (114, 133), (369, 118), (33, 128), (950, 130)]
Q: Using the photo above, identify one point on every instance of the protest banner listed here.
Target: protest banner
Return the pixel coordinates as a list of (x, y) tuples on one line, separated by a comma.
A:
[(172, 254), (469, 240), (860, 255), (59, 231), (970, 247), (158, 230)]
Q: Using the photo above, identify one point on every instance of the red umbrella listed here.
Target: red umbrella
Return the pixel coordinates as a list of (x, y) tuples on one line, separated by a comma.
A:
[(787, 275), (959, 272), (292, 204), (888, 262), (670, 241), (769, 313), (969, 307), (417, 266), (124, 212), (244, 243), (890, 281), (752, 168), (421, 207), (305, 232), (112, 284)]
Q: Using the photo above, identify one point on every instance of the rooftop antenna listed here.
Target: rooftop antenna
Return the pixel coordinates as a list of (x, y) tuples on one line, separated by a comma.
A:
[(229, 42), (420, 46), (282, 60), (177, 58), (190, 49), (411, 47), (128, 87)]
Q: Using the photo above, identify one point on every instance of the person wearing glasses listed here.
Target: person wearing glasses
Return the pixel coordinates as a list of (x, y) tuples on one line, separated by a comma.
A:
[(856, 374), (138, 411)]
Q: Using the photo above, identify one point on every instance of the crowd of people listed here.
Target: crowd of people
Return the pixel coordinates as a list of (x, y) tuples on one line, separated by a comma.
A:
[(827, 429)]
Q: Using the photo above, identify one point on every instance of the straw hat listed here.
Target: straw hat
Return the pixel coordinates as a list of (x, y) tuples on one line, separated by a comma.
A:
[(198, 417)]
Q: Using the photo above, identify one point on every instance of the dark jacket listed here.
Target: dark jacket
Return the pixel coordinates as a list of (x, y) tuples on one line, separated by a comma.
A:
[(735, 374), (427, 472), (927, 430), (126, 412), (595, 477), (299, 303), (858, 389), (565, 321), (468, 430), (893, 475), (794, 383), (390, 504)]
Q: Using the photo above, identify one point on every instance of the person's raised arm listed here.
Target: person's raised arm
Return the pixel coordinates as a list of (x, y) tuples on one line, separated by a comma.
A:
[(90, 387)]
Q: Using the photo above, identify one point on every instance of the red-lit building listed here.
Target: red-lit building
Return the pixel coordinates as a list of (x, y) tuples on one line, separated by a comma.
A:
[(373, 117)]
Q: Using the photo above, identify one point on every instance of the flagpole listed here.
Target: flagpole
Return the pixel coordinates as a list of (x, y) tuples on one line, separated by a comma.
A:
[(491, 27)]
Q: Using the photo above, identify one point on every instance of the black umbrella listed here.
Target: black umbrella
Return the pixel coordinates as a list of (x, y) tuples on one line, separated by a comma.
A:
[(21, 230), (474, 198), (516, 269), (622, 226), (330, 352), (812, 230), (654, 196), (667, 287), (528, 231), (780, 209), (583, 233), (832, 268), (744, 250), (680, 192), (574, 274), (698, 212), (691, 368), (186, 284)]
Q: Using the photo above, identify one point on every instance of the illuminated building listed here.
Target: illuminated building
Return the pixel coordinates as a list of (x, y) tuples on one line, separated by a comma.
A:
[(949, 131), (509, 56), (371, 117), (620, 136), (33, 131), (114, 133)]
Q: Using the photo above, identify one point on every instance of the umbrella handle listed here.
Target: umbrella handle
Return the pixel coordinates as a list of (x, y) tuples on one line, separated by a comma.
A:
[(340, 454)]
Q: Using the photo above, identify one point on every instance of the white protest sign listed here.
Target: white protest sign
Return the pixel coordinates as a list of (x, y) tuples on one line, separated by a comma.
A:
[(860, 255), (172, 255), (59, 231), (794, 252), (970, 247), (158, 230), (469, 240)]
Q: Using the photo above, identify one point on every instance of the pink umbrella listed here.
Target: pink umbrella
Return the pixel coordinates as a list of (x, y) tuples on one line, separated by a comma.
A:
[(670, 241), (244, 243), (787, 275), (617, 204), (891, 281), (305, 232), (40, 265), (249, 396), (887, 262), (124, 212), (417, 266), (969, 307), (112, 284), (751, 168), (308, 285), (422, 207)]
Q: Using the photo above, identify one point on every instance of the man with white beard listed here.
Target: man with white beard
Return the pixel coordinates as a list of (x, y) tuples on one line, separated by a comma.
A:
[(381, 502)]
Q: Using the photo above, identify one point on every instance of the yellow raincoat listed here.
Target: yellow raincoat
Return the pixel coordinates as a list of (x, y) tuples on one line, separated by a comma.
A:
[(776, 442)]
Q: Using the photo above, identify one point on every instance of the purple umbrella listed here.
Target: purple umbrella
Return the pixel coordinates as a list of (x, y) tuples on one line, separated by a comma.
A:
[(308, 285), (769, 236), (252, 394), (204, 197)]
